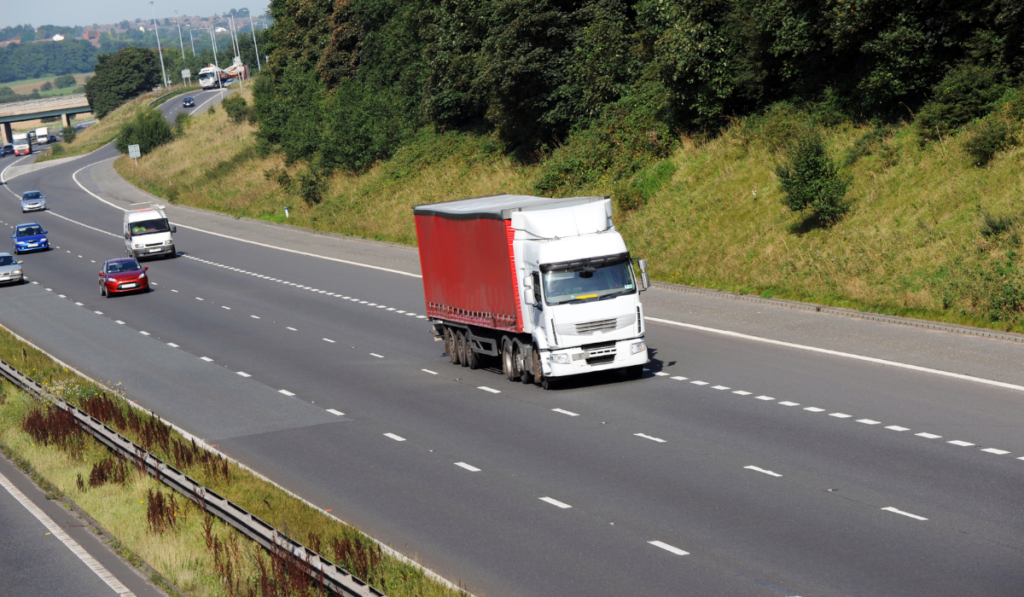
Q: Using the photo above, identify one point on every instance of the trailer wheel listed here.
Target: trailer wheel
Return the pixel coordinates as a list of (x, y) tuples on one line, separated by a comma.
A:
[(449, 345), (508, 363), (472, 358), (460, 339)]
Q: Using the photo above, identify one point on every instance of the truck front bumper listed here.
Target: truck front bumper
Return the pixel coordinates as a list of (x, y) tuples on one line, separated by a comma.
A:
[(575, 361)]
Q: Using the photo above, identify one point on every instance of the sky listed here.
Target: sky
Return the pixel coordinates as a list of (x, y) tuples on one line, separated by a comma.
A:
[(87, 12)]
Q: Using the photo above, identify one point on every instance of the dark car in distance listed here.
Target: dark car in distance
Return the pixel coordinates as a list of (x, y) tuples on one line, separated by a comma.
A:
[(188, 102)]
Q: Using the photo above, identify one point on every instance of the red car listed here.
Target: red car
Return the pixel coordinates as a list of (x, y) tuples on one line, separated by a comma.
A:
[(123, 275)]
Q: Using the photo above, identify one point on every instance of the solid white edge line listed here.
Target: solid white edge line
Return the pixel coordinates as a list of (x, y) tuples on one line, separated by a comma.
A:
[(555, 502), (650, 437), (235, 238), (907, 514), (468, 467), (991, 382), (70, 543), (669, 548)]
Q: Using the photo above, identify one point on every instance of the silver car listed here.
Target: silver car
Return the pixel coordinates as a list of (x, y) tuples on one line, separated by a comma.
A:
[(32, 201), (10, 270)]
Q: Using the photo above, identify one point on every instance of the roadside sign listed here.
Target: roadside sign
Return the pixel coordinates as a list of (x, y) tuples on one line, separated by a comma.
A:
[(133, 152), (186, 74)]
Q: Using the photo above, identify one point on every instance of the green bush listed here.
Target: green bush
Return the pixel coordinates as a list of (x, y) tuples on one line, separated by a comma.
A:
[(69, 134), (622, 140), (64, 81), (237, 108), (987, 138), (312, 187), (148, 130), (811, 181), (967, 92), (181, 122), (46, 86)]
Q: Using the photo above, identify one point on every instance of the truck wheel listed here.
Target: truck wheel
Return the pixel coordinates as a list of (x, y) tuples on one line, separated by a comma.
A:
[(472, 358), (461, 342), (538, 370), (508, 363), (449, 345), (525, 375)]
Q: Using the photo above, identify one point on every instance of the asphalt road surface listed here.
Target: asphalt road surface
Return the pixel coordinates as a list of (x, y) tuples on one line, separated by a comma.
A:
[(734, 467)]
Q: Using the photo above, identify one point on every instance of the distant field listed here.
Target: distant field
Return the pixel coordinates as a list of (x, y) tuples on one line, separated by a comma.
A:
[(26, 86), (31, 125)]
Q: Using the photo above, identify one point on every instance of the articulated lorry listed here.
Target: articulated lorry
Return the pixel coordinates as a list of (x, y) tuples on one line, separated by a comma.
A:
[(545, 284), (22, 144), (211, 77)]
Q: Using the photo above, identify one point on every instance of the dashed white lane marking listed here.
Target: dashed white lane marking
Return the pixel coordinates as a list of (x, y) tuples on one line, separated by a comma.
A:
[(814, 409), (678, 377), (173, 290), (62, 296), (172, 345), (491, 390), (293, 329), (391, 308), (699, 383), (761, 470), (788, 403), (565, 412), (898, 428), (555, 502), (255, 316), (329, 340), (468, 467), (375, 355), (119, 322), (144, 333), (397, 438), (285, 392), (765, 398), (957, 442), (928, 435), (78, 304), (199, 298), (71, 544), (995, 451), (98, 312), (907, 514), (660, 373), (650, 437), (719, 388), (669, 548), (847, 355), (225, 307), (869, 421), (840, 415), (207, 359), (243, 373), (429, 371), (336, 412), (741, 393), (49, 290)]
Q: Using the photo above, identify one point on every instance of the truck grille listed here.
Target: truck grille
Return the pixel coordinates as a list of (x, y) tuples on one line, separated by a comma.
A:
[(587, 328), (155, 244)]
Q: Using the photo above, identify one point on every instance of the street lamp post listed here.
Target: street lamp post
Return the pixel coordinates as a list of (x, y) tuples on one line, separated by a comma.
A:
[(158, 50), (258, 65), (192, 41), (180, 41)]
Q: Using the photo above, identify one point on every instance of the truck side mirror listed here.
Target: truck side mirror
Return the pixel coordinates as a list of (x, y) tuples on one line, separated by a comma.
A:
[(126, 236), (645, 280), (174, 229), (643, 265)]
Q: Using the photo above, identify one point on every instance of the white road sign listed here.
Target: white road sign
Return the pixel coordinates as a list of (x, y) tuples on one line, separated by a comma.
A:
[(133, 152)]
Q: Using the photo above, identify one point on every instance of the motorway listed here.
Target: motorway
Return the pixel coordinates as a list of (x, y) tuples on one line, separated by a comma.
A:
[(734, 467)]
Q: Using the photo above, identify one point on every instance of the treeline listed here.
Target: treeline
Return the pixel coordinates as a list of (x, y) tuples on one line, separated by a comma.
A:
[(35, 60), (27, 33), (351, 80)]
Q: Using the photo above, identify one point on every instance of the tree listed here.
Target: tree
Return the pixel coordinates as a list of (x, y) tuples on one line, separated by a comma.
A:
[(812, 181), (148, 130), (120, 77), (64, 81)]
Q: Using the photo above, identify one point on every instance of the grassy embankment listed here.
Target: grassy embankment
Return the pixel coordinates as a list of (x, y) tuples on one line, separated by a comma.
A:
[(929, 235), (197, 554)]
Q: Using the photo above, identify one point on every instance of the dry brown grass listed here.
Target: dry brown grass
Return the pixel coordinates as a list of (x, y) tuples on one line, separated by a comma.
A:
[(910, 246)]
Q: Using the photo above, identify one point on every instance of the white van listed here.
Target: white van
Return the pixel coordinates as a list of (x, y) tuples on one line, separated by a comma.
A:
[(147, 233)]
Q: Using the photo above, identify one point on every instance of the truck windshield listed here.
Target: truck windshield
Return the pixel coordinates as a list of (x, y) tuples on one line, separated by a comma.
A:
[(588, 283), (149, 227)]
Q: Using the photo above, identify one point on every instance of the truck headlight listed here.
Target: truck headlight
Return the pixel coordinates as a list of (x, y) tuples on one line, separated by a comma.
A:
[(168, 242), (136, 246), (637, 348), (561, 359)]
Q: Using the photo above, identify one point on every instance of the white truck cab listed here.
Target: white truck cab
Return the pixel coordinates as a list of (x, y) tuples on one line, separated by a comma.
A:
[(147, 233)]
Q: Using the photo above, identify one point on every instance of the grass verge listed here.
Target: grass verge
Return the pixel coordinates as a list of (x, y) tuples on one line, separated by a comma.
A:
[(196, 553), (916, 243)]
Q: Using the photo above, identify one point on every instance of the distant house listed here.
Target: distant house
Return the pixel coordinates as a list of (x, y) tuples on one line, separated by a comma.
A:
[(58, 37)]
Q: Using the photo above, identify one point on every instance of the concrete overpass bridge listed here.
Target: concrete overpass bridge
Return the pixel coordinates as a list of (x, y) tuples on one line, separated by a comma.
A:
[(61, 105)]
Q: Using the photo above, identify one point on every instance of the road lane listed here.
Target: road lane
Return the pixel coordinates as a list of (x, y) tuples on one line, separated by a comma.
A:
[(695, 494)]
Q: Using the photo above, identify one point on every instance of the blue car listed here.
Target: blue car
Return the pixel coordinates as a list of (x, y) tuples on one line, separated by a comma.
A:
[(29, 237)]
